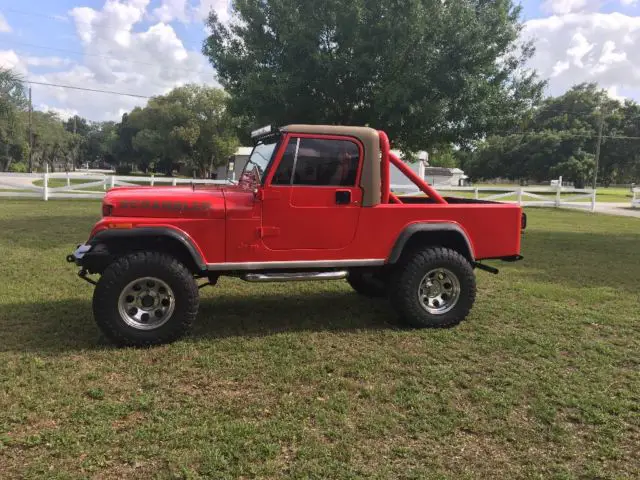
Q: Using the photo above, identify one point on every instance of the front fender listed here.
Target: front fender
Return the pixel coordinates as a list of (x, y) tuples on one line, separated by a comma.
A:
[(104, 236)]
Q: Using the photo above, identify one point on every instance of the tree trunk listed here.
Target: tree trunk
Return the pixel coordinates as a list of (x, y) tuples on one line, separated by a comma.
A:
[(7, 158)]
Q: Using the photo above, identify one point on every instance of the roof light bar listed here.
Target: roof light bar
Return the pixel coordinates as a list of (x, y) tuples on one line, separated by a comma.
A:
[(262, 131)]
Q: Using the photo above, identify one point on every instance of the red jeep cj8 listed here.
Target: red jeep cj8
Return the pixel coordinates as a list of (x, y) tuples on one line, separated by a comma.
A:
[(313, 203)]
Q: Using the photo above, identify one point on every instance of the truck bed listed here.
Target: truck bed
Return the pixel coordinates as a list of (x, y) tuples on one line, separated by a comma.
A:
[(413, 200)]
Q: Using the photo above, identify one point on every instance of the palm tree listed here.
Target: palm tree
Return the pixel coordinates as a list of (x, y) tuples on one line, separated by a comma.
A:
[(12, 92), (12, 100)]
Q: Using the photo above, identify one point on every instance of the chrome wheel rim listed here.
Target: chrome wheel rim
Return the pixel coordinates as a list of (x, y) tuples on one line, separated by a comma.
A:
[(439, 291), (146, 303)]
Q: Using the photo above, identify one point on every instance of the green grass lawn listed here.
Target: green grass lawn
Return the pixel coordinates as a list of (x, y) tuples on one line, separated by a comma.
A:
[(313, 381)]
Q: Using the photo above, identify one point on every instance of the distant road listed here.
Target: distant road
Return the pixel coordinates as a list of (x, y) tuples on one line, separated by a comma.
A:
[(623, 209)]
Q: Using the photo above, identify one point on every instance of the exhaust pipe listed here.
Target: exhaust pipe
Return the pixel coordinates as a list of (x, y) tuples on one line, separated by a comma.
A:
[(294, 277)]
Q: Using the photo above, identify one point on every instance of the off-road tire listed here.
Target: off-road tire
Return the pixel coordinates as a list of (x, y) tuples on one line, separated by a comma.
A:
[(368, 283), (408, 276), (139, 265)]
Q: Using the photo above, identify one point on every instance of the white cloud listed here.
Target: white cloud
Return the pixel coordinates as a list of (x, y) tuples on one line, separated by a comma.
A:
[(609, 55), (47, 61), (627, 3), (587, 47), (578, 48), (559, 67), (221, 7), (613, 93), (562, 7), (4, 25), (172, 9), (10, 59), (183, 11), (122, 54), (63, 113)]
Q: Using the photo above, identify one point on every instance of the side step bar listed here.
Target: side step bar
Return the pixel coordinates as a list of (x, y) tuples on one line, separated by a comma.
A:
[(294, 277)]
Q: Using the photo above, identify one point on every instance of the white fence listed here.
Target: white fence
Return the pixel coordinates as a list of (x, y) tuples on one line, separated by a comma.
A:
[(83, 185), (559, 197), (80, 185), (635, 200)]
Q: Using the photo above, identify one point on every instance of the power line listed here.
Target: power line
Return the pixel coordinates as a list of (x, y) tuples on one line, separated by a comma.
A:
[(36, 14), (73, 87), (571, 135), (99, 55)]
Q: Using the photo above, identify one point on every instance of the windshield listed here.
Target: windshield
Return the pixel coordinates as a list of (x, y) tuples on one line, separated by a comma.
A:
[(256, 166)]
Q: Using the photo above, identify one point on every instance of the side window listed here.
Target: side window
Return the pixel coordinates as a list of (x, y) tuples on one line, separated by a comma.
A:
[(285, 168), (323, 162)]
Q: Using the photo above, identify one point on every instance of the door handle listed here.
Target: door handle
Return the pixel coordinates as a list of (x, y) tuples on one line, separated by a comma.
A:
[(343, 197)]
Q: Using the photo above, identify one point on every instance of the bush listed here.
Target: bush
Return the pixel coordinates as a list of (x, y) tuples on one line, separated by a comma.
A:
[(18, 167), (123, 170)]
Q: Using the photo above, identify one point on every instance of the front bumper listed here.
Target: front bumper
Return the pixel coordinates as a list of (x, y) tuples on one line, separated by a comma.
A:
[(79, 253)]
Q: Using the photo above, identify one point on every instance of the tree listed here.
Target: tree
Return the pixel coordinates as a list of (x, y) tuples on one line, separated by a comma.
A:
[(428, 72), (12, 102), (560, 138), (190, 125), (52, 144), (123, 151), (101, 142), (78, 125), (620, 157), (443, 156)]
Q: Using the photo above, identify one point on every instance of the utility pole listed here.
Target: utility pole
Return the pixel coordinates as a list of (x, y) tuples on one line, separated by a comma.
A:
[(30, 135), (76, 148), (600, 127)]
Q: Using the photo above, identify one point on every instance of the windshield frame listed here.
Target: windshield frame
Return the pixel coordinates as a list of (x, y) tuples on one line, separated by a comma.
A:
[(247, 171)]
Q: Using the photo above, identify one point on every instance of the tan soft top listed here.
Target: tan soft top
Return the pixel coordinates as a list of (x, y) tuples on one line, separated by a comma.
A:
[(370, 179)]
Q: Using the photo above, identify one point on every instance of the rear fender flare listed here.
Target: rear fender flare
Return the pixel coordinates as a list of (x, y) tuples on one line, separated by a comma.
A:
[(431, 227), (152, 232)]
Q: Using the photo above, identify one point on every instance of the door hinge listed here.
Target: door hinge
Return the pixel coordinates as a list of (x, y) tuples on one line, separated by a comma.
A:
[(268, 232)]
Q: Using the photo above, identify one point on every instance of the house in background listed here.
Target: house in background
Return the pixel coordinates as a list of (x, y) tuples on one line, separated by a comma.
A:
[(436, 176), (440, 176), (233, 169)]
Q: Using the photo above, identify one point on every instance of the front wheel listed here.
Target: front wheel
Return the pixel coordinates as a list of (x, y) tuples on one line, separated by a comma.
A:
[(145, 298), (433, 287)]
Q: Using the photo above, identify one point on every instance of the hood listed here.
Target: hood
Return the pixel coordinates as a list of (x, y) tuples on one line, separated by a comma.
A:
[(163, 202)]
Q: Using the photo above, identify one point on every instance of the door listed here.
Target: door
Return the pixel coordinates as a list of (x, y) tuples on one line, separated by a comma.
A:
[(312, 200)]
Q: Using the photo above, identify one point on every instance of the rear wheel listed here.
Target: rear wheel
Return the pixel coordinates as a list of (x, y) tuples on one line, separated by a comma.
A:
[(433, 287), (369, 283), (145, 298)]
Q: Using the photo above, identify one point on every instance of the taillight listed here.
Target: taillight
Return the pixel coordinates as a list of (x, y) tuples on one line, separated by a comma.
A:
[(107, 210)]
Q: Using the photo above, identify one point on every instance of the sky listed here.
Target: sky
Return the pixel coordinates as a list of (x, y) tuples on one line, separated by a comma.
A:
[(147, 47)]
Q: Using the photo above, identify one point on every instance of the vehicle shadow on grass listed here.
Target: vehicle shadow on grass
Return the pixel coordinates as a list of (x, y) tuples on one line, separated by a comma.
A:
[(582, 259), (64, 326)]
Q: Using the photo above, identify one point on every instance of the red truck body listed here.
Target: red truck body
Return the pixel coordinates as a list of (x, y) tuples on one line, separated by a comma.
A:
[(247, 226), (239, 228), (314, 202)]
